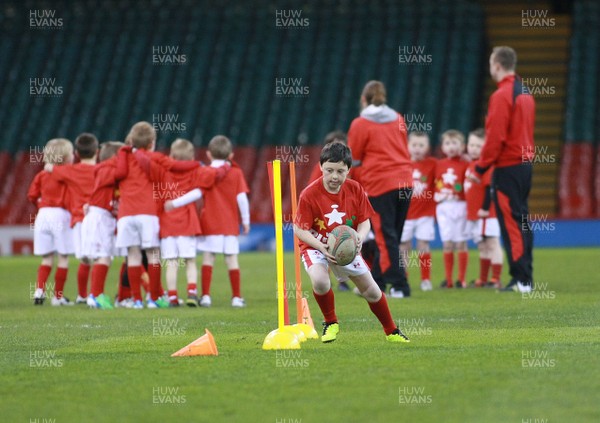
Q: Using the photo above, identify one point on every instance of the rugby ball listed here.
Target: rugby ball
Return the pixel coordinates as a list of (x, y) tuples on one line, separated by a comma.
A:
[(342, 242)]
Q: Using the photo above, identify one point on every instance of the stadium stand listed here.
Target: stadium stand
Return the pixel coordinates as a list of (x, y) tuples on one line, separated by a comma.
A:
[(231, 56)]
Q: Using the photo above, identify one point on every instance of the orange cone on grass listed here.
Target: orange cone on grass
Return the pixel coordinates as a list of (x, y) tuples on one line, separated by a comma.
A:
[(205, 345)]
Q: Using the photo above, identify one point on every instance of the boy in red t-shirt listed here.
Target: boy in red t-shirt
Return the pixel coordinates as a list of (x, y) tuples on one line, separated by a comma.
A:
[(79, 178), (328, 202), (451, 209), (52, 232), (99, 224), (179, 228), (482, 223), (420, 220), (225, 208)]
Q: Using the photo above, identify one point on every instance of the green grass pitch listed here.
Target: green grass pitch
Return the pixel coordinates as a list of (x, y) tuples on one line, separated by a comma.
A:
[(476, 355)]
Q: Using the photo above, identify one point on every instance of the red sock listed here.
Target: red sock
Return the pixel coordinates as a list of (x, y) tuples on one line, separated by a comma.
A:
[(124, 291), (449, 267), (327, 305), (43, 273), (425, 264), (60, 277), (134, 274), (484, 269), (206, 279), (496, 271), (83, 274), (463, 260), (172, 295), (99, 272), (382, 311), (156, 289), (234, 279), (192, 288)]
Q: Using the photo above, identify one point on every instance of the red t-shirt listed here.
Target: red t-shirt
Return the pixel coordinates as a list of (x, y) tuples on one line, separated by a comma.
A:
[(220, 214), (105, 185), (320, 211), (182, 221), (421, 202), (79, 178), (382, 149), (475, 193), (136, 190), (46, 191), (450, 177)]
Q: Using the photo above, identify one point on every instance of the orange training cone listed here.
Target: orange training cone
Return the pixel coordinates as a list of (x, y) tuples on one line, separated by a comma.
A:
[(205, 345), (306, 318)]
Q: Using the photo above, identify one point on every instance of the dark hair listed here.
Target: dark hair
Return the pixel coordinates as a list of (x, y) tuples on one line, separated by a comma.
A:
[(335, 136), (506, 56), (374, 93), (479, 133), (419, 134), (86, 145), (336, 152)]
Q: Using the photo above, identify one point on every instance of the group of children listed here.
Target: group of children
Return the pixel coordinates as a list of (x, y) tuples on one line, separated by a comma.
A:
[(124, 199), (444, 192)]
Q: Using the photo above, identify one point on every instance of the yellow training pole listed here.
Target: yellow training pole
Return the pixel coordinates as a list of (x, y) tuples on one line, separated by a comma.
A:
[(284, 337), (278, 241)]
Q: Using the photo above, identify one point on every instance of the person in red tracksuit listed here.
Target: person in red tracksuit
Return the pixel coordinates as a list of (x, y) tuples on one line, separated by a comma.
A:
[(381, 163), (510, 148)]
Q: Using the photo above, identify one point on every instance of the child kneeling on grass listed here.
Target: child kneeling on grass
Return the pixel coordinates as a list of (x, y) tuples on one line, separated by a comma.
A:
[(328, 202)]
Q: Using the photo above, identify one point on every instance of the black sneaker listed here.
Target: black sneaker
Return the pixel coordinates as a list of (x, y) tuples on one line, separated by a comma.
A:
[(511, 287), (460, 284), (38, 301), (192, 301), (444, 284)]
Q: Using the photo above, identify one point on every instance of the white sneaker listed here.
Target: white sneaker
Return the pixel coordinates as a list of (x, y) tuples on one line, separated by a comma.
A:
[(426, 285), (205, 301), (91, 301), (80, 300), (396, 294), (62, 301), (125, 303), (238, 302), (523, 289), (137, 305)]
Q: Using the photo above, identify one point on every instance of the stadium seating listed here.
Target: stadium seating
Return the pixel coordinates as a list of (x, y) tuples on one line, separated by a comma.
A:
[(580, 166), (103, 59)]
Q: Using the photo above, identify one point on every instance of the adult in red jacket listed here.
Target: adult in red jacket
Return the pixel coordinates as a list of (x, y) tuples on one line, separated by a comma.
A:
[(381, 163), (509, 146)]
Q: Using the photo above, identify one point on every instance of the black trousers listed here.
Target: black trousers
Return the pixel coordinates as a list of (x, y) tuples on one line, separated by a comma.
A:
[(391, 209), (511, 186)]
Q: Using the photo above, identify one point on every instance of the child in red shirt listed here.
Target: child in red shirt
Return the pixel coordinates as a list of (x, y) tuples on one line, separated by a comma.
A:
[(482, 224), (79, 179), (179, 228), (420, 219), (52, 232), (99, 224), (451, 209), (328, 202), (225, 208)]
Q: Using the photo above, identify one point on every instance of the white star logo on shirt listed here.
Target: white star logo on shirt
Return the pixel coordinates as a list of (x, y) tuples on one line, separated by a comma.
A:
[(416, 174), (449, 177), (335, 216)]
